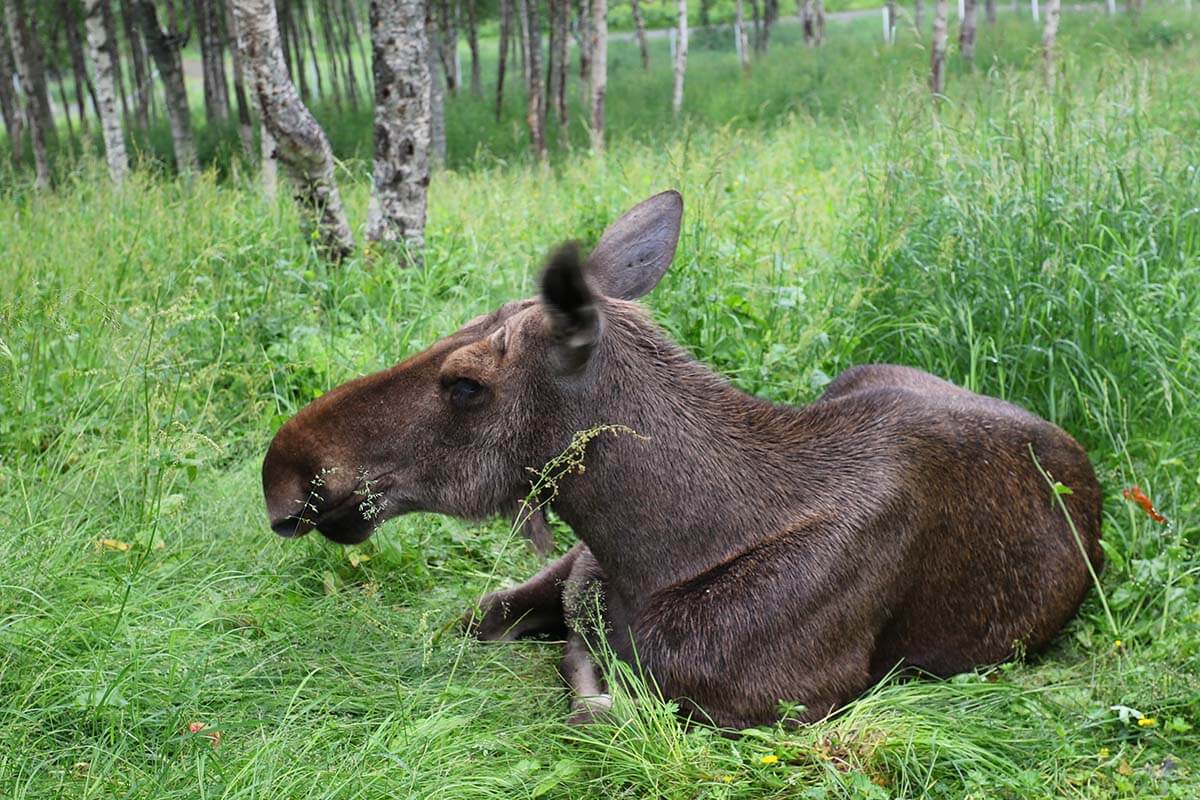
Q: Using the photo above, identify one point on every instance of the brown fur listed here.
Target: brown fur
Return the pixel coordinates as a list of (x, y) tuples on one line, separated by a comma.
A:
[(750, 553)]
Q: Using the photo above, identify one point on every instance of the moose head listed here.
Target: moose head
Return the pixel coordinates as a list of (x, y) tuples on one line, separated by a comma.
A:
[(455, 428)]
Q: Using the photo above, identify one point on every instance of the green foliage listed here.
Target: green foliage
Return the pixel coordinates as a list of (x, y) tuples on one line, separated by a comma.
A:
[(1041, 248)]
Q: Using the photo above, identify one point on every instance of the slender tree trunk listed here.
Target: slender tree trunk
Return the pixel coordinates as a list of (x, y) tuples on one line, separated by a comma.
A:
[(78, 64), (207, 19), (27, 54), (522, 40), (599, 82), (62, 99), (345, 38), (473, 43), (535, 109), (164, 49), (919, 14), (10, 103), (502, 60), (142, 89), (552, 56), (937, 73), (293, 33), (739, 34), (891, 19), (300, 144), (327, 36), (966, 31), (245, 123), (358, 34), (681, 51), (400, 62), (818, 22), (989, 10), (561, 63), (305, 26), (584, 20), (99, 50), (437, 89), (450, 45), (639, 24), (770, 15), (756, 23), (1049, 37), (281, 13)]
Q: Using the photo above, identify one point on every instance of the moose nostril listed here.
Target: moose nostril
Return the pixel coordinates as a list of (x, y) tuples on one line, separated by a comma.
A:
[(291, 527)]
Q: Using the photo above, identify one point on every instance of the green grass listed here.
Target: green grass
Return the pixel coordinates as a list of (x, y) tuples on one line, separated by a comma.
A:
[(1043, 248)]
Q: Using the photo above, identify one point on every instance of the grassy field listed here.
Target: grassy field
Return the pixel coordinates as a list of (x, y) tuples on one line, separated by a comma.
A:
[(1040, 247)]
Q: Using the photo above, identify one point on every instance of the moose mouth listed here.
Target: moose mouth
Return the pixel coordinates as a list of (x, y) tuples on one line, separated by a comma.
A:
[(351, 520)]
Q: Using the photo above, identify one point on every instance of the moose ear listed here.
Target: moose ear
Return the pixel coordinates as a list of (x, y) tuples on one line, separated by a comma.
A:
[(635, 251), (571, 313)]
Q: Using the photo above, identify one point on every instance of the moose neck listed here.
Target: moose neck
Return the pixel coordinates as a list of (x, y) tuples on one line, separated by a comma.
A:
[(712, 472)]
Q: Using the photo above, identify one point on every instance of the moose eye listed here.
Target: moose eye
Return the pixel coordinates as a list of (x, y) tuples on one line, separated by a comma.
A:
[(464, 392)]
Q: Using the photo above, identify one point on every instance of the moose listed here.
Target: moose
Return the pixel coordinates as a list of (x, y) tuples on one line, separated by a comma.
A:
[(742, 554)]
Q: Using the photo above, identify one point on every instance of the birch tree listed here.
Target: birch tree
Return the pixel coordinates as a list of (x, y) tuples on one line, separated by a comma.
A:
[(27, 56), (741, 44), (1049, 37), (473, 44), (989, 7), (99, 49), (164, 49), (639, 25), (400, 65), (10, 104), (967, 30), (300, 144), (812, 18), (919, 14), (83, 85), (535, 109), (505, 12), (561, 21), (210, 30), (143, 96), (599, 79), (681, 48), (437, 90), (937, 71)]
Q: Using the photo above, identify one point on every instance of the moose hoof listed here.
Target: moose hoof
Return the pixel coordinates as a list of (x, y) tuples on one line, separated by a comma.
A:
[(489, 620), (590, 710)]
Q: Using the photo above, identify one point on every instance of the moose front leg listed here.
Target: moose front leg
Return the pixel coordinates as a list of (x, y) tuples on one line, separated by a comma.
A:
[(530, 608)]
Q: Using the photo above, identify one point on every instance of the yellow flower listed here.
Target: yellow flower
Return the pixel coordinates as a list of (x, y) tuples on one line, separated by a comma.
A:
[(1147, 722), (1118, 644), (727, 778), (1104, 753), (769, 759)]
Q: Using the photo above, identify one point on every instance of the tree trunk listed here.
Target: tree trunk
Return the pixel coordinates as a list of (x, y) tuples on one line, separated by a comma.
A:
[(989, 10), (305, 26), (10, 104), (99, 50), (1049, 35), (741, 44), (639, 24), (681, 50), (966, 31), (437, 90), (473, 43), (535, 109), (770, 15), (331, 49), (450, 45), (142, 88), (584, 24), (245, 123), (27, 54), (63, 102), (164, 49), (207, 18), (300, 144), (561, 22), (919, 14), (891, 21), (346, 38), (293, 33), (599, 81), (400, 63), (78, 64), (756, 23), (502, 60), (937, 73), (813, 20)]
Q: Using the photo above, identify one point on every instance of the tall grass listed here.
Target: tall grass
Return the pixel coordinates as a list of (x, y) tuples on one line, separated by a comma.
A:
[(1041, 248)]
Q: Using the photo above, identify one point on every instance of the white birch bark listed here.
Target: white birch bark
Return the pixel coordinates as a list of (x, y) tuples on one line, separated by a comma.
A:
[(741, 44), (599, 77), (27, 56), (164, 49), (681, 49), (300, 144), (937, 71), (437, 93), (639, 25), (1049, 37), (967, 31), (106, 95), (400, 64)]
